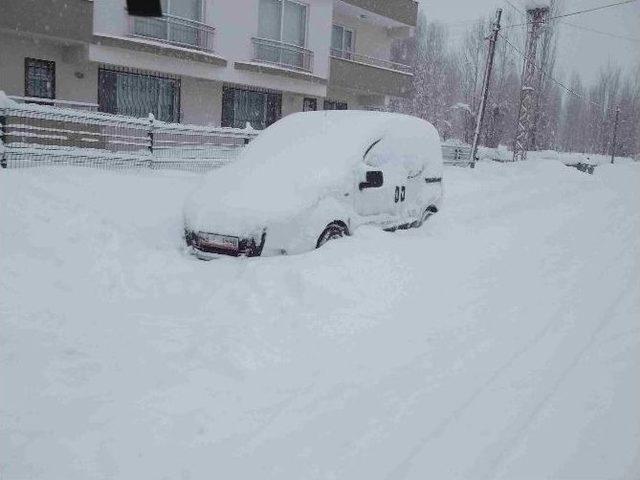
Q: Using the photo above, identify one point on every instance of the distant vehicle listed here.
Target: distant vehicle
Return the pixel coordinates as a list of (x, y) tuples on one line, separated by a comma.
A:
[(316, 176)]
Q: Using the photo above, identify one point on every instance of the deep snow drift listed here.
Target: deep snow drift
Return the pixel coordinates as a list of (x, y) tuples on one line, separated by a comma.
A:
[(500, 340)]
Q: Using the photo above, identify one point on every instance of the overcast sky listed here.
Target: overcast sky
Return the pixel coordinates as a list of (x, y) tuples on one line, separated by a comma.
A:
[(578, 49)]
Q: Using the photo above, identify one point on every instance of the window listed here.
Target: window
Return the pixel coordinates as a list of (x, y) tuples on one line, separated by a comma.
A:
[(309, 104), (175, 25), (283, 21), (39, 78), (258, 108), (189, 9), (342, 41), (333, 105), (138, 94)]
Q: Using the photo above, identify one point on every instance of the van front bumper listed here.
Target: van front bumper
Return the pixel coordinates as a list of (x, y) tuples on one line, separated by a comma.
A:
[(208, 245)]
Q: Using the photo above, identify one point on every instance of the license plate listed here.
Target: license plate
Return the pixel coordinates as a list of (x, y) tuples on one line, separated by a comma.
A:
[(219, 241)]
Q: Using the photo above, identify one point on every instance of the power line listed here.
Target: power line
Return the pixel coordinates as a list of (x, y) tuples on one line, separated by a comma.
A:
[(548, 75), (579, 12), (589, 29), (521, 12)]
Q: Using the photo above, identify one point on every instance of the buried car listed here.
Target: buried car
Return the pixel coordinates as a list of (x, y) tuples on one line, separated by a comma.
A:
[(315, 176)]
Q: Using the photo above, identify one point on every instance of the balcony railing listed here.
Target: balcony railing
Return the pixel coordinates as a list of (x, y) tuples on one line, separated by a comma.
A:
[(282, 54), (174, 30), (53, 102), (376, 62)]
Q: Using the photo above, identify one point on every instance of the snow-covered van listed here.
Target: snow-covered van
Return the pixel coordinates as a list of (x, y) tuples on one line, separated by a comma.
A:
[(315, 176)]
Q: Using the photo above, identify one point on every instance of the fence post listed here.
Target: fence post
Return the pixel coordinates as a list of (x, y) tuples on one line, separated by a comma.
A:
[(3, 139), (247, 127), (150, 134)]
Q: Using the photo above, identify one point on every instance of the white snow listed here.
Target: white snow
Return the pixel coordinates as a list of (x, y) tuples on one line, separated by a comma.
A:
[(5, 101), (498, 341)]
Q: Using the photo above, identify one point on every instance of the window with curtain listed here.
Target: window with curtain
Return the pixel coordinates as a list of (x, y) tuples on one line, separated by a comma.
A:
[(342, 41), (309, 104), (39, 78), (282, 21), (334, 105), (137, 95), (241, 106)]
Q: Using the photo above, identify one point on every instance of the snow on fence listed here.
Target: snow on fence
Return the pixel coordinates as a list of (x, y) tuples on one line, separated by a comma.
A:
[(459, 155), (37, 135)]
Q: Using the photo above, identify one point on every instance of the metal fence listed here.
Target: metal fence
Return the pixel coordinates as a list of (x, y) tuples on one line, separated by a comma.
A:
[(459, 155), (54, 102), (36, 135), (179, 31), (282, 54), (373, 61)]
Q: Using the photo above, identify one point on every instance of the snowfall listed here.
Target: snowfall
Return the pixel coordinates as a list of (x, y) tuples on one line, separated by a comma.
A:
[(500, 340)]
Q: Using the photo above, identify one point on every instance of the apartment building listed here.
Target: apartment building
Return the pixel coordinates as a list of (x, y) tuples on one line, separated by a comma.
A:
[(214, 62)]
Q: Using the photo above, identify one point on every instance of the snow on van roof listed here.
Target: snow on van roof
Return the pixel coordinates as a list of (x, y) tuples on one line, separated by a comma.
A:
[(295, 162)]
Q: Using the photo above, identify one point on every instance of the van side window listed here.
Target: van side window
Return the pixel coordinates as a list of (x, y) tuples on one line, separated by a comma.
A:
[(399, 152), (364, 157), (375, 155)]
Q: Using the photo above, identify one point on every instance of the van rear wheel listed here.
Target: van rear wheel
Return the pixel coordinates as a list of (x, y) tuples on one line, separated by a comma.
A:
[(331, 232), (430, 210)]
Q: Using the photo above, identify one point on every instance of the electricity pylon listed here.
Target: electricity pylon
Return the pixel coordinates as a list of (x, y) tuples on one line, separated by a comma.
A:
[(536, 18)]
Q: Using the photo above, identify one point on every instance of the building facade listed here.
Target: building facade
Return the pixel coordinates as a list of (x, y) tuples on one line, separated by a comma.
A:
[(213, 62)]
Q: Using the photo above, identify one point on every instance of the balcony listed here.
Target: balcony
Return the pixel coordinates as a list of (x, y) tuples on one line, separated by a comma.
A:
[(369, 75), (282, 54), (372, 61), (174, 30)]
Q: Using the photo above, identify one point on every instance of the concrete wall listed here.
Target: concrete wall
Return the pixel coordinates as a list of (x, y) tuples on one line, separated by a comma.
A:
[(369, 80), (110, 17), (71, 63), (405, 11), (371, 40), (69, 20), (355, 100)]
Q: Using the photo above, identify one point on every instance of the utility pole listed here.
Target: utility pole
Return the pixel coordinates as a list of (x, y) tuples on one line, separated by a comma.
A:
[(485, 86), (535, 19), (615, 133)]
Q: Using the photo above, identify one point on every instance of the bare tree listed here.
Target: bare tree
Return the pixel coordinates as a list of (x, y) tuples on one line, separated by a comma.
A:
[(447, 82)]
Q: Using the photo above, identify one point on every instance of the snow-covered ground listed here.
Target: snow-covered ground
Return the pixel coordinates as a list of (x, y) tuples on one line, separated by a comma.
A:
[(501, 340), (503, 154)]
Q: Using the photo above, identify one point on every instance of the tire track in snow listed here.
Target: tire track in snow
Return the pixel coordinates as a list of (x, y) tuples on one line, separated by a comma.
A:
[(403, 469), (513, 440)]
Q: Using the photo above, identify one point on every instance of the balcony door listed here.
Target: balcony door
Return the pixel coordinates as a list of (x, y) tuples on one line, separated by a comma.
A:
[(342, 42), (285, 23), (175, 25)]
